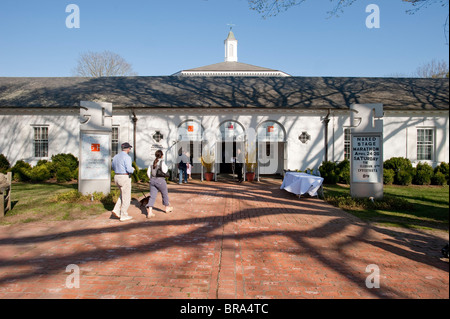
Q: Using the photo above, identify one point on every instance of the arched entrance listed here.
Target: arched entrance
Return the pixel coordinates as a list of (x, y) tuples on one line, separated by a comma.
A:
[(189, 140), (272, 149), (231, 139)]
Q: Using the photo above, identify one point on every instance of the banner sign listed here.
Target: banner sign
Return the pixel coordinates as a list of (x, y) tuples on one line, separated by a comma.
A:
[(367, 161)]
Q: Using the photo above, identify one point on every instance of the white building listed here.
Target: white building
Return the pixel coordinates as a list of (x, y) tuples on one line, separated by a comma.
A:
[(307, 118)]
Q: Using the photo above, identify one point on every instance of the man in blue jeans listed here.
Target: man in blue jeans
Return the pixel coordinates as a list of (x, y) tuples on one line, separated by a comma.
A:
[(182, 167)]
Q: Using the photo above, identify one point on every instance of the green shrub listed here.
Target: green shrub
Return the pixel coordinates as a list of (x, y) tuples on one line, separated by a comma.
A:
[(42, 162), (39, 173), (389, 203), (328, 172), (63, 174), (343, 171), (75, 196), (111, 198), (67, 160), (21, 171), (135, 176), (75, 174), (71, 196), (388, 176), (439, 179), (423, 174), (404, 178), (402, 168), (444, 169), (4, 164), (143, 175)]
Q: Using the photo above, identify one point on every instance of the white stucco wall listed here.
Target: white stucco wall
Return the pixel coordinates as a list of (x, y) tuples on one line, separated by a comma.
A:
[(300, 156), (17, 134), (400, 132)]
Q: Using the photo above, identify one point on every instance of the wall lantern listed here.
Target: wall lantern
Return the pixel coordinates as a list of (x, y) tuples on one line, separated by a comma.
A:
[(304, 137)]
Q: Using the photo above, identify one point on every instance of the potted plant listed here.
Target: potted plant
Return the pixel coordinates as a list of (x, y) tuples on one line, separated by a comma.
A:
[(207, 161), (250, 164)]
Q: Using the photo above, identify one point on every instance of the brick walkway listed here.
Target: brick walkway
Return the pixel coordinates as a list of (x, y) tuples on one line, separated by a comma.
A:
[(224, 240)]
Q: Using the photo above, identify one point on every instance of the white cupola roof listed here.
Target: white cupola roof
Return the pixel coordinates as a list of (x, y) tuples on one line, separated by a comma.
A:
[(231, 66), (231, 48)]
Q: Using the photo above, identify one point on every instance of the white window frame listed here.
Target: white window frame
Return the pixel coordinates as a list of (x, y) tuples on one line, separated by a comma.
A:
[(40, 141), (115, 140), (429, 145), (347, 143)]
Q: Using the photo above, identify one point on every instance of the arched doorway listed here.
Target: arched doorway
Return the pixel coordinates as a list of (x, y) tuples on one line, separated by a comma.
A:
[(190, 133), (272, 149), (231, 139)]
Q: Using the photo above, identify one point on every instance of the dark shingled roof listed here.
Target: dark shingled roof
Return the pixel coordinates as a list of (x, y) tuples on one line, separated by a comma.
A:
[(227, 92)]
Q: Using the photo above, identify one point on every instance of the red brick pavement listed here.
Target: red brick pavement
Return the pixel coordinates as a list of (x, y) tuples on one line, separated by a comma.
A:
[(224, 240)]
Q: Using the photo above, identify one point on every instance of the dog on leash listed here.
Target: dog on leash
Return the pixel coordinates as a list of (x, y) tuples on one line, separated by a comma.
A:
[(144, 201)]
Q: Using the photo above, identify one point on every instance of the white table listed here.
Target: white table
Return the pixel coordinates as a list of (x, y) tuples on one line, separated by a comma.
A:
[(301, 183)]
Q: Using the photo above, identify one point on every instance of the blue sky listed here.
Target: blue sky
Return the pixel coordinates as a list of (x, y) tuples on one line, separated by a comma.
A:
[(163, 37)]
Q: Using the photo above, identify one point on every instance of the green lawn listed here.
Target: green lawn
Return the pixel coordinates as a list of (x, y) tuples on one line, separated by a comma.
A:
[(403, 206), (34, 202)]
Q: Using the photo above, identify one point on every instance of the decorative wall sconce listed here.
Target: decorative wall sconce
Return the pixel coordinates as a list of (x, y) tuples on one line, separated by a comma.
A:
[(304, 137)]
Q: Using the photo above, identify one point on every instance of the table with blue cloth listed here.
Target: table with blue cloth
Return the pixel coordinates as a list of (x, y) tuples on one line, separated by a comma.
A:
[(301, 183)]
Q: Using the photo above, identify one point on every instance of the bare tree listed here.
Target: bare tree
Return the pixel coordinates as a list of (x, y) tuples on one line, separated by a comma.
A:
[(433, 69), (99, 64), (272, 7), (268, 8)]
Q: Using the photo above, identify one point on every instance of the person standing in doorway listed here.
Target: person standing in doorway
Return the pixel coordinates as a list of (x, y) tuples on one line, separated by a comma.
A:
[(239, 164), (157, 174), (183, 160), (189, 166), (123, 168)]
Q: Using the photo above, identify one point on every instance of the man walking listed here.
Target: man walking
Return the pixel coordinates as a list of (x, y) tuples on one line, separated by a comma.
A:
[(121, 164)]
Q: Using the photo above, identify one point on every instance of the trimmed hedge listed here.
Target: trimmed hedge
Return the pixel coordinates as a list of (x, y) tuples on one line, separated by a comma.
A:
[(423, 174), (63, 167), (397, 170), (388, 176), (403, 170), (444, 169)]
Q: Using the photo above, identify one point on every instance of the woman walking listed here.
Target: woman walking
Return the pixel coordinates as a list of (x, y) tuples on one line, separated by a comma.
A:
[(157, 174)]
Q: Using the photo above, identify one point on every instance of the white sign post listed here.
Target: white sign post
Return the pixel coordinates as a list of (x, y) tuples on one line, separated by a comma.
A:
[(95, 154), (366, 165), (95, 148)]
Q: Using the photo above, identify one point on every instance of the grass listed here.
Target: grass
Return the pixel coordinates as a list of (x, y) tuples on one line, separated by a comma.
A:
[(422, 207), (58, 201)]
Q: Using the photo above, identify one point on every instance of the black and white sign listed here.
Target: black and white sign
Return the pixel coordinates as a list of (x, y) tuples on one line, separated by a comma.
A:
[(367, 159)]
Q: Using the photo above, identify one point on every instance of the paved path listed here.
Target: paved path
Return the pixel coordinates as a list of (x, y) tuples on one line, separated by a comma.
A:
[(224, 240)]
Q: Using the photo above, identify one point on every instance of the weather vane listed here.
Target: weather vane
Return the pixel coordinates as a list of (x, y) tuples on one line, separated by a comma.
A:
[(231, 25)]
